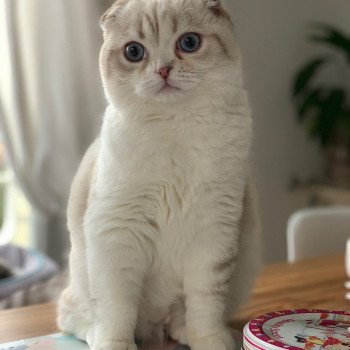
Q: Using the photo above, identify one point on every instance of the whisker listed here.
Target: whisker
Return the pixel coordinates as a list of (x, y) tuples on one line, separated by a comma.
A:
[(216, 83)]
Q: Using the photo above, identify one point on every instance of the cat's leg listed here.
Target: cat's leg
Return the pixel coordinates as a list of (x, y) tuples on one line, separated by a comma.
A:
[(117, 264), (207, 290), (177, 325), (209, 268), (75, 317), (217, 263)]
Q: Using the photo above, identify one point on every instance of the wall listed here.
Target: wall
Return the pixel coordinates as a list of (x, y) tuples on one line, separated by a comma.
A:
[(272, 36)]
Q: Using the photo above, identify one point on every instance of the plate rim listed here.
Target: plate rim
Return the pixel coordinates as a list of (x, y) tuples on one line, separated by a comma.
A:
[(255, 327)]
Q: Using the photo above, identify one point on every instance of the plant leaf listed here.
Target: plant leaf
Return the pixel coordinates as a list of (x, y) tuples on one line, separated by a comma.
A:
[(333, 37), (331, 114), (345, 124), (311, 102), (306, 74)]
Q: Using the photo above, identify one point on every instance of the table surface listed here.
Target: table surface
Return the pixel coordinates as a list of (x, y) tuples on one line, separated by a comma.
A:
[(316, 283)]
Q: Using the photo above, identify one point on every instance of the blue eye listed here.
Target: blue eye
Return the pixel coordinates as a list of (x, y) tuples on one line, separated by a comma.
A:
[(190, 42), (134, 52)]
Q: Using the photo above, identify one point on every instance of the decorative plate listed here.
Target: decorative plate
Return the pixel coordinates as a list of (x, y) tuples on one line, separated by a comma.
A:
[(299, 329)]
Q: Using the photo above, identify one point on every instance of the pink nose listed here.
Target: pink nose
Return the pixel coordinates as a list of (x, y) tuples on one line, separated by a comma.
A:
[(165, 72)]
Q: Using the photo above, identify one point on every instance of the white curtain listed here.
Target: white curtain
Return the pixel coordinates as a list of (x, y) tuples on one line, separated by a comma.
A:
[(51, 102)]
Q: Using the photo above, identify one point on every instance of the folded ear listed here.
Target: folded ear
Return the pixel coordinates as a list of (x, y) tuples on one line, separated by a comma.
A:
[(213, 3), (217, 8), (111, 13)]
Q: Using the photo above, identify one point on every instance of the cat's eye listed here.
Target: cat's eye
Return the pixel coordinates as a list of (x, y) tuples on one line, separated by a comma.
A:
[(189, 42), (134, 52)]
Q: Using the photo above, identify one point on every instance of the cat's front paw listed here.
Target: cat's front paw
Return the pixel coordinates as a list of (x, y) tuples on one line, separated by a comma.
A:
[(115, 345), (179, 334), (221, 340)]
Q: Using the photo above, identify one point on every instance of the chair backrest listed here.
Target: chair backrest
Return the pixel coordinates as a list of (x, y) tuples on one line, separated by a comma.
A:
[(317, 231)]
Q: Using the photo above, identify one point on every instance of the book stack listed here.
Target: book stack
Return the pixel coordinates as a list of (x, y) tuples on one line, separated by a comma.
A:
[(298, 329)]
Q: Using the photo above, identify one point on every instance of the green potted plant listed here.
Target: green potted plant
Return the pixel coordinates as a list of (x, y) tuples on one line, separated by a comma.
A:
[(324, 106)]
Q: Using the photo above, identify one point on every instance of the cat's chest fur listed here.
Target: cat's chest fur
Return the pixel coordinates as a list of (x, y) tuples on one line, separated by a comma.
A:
[(167, 179), (171, 171), (170, 174), (191, 148), (172, 167)]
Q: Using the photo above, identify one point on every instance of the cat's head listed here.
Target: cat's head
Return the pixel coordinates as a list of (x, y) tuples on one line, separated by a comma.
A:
[(167, 51)]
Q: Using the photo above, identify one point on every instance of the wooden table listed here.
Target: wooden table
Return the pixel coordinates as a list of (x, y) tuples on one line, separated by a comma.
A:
[(316, 283), (309, 284)]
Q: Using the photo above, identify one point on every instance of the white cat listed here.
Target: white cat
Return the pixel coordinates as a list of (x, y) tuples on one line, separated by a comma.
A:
[(163, 231)]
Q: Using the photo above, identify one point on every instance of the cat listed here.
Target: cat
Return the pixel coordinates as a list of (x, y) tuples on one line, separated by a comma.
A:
[(162, 217)]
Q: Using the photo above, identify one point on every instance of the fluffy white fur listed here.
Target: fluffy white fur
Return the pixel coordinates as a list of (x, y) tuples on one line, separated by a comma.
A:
[(161, 217)]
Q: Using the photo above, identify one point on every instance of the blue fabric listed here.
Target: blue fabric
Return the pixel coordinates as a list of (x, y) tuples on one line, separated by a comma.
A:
[(29, 267)]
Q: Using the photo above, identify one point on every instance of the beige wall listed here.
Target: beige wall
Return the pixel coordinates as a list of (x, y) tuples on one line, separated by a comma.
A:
[(272, 37)]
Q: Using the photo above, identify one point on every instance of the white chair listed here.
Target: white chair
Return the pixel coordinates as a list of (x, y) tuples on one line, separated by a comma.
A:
[(317, 231)]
